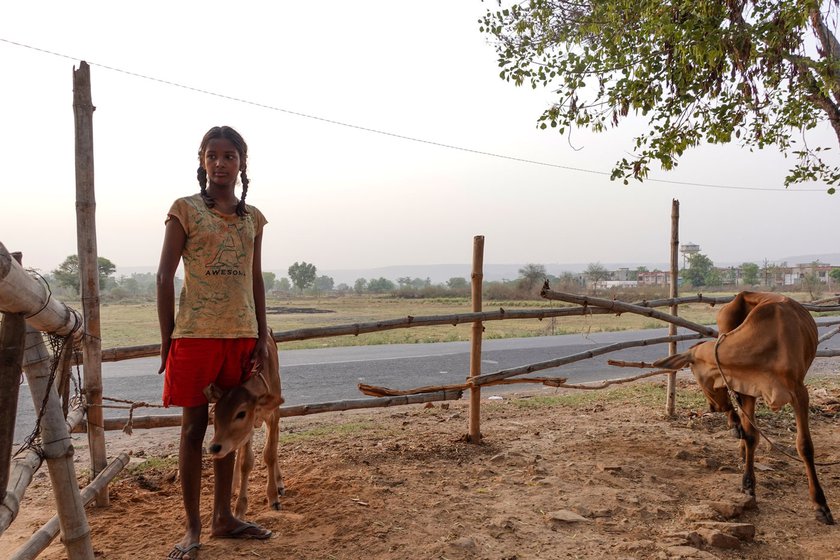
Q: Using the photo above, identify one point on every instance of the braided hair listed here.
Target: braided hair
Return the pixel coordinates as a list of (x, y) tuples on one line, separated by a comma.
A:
[(226, 133)]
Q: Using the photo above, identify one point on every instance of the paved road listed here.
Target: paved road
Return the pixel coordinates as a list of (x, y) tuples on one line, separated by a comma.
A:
[(331, 374)]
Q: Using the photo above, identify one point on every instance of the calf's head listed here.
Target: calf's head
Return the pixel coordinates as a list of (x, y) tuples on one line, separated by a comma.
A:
[(236, 412)]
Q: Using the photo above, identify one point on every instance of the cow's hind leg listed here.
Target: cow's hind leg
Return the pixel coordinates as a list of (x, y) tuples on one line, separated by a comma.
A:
[(244, 465), (275, 487), (719, 402), (805, 447), (749, 441)]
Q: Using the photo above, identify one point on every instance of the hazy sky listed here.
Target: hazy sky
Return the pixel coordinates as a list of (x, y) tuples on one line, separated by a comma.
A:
[(338, 196)]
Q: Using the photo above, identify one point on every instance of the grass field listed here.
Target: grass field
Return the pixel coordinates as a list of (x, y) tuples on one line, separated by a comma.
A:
[(131, 324)]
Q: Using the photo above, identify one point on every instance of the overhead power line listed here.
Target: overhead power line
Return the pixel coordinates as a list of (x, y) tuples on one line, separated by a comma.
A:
[(394, 134)]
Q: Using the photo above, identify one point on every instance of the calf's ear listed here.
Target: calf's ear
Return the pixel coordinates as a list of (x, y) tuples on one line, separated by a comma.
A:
[(213, 393), (677, 361), (269, 401)]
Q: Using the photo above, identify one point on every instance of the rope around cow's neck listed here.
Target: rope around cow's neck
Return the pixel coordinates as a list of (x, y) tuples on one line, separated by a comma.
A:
[(733, 396)]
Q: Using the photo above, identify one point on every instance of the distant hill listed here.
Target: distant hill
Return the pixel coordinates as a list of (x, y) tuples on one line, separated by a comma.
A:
[(440, 273)]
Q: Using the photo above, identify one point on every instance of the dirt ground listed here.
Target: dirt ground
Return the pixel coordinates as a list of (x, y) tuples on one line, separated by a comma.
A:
[(584, 476)]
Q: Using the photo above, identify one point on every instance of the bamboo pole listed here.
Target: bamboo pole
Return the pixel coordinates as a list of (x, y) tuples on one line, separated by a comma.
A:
[(20, 477), (828, 334), (475, 339), (671, 389), (378, 391), (42, 538), (21, 293), (12, 333), (23, 469), (89, 266), (522, 370), (57, 449), (621, 307)]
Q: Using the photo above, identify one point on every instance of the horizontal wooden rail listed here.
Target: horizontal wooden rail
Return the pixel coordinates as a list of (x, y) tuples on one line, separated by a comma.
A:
[(354, 329), (522, 370), (170, 420)]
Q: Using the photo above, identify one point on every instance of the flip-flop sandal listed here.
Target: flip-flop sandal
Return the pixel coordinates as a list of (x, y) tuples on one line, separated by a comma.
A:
[(247, 531), (179, 552)]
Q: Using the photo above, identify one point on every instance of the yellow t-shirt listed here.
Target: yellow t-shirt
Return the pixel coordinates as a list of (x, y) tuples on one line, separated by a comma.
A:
[(217, 300)]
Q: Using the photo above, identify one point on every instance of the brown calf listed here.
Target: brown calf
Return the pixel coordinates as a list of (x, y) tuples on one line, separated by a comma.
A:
[(236, 413), (766, 345)]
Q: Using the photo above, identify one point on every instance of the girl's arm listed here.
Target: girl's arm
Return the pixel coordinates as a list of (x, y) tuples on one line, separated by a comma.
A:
[(174, 240), (264, 343)]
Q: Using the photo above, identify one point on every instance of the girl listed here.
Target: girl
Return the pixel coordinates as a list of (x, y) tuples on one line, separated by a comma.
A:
[(220, 331)]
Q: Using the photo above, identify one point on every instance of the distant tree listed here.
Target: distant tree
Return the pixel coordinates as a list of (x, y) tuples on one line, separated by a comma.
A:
[(699, 268), (749, 273), (812, 284), (380, 285), (404, 282), (835, 274), (531, 275), (67, 273), (596, 273), (568, 282), (130, 285), (324, 283), (713, 277), (343, 288), (360, 285), (284, 285), (302, 274), (269, 279), (457, 283)]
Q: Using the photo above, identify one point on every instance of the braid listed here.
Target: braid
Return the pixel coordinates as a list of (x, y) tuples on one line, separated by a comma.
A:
[(202, 181), (240, 207)]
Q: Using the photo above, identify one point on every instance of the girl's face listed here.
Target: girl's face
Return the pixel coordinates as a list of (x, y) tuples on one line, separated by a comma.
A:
[(221, 161)]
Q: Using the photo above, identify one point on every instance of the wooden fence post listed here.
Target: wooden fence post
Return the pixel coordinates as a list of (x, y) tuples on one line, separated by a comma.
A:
[(57, 449), (89, 269), (671, 392), (12, 333), (475, 347)]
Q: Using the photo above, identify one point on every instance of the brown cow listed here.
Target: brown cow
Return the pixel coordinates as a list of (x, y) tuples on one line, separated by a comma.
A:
[(236, 413), (766, 345)]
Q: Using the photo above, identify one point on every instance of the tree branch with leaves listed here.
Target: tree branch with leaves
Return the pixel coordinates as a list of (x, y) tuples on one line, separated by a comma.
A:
[(757, 72)]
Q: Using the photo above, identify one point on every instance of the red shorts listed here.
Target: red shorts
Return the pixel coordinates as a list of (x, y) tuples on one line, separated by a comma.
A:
[(195, 363)]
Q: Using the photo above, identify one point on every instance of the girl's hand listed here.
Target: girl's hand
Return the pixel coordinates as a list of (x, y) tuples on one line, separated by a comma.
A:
[(264, 345), (164, 353)]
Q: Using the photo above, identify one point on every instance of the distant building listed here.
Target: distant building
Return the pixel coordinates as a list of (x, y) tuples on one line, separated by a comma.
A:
[(654, 278)]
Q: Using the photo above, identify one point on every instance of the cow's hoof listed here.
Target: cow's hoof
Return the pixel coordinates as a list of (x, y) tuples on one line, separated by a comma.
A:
[(276, 506), (824, 516)]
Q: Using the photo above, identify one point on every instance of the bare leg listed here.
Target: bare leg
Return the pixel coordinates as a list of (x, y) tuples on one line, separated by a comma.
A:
[(225, 524), (193, 428)]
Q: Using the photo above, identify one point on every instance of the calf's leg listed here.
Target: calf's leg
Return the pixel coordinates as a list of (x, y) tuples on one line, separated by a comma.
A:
[(244, 465), (274, 487), (805, 447)]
